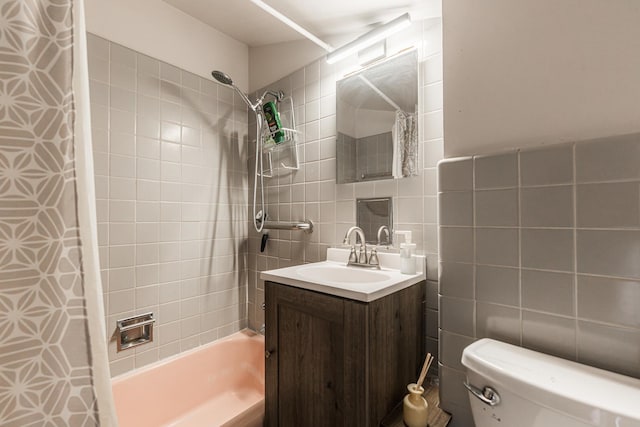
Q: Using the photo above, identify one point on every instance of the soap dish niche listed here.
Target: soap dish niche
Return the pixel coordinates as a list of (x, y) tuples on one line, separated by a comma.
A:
[(134, 331)]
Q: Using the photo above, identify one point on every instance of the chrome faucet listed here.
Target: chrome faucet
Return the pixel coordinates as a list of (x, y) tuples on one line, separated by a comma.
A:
[(359, 258), (359, 235)]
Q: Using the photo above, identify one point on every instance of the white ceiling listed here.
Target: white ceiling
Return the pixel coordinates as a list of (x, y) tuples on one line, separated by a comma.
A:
[(327, 19)]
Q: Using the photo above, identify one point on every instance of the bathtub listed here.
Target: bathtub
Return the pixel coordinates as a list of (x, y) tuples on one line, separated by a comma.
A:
[(219, 384)]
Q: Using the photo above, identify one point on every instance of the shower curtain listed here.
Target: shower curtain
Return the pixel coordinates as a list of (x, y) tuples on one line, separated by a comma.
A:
[(405, 145), (53, 357)]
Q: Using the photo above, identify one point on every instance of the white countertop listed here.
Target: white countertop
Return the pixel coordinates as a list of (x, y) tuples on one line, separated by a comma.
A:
[(391, 281)]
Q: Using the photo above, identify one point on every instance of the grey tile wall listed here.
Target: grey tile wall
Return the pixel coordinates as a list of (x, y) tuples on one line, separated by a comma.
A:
[(346, 148), (374, 156), (171, 188), (312, 191), (544, 254)]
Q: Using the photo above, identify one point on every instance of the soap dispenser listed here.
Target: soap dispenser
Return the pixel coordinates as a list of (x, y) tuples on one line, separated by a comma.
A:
[(407, 250)]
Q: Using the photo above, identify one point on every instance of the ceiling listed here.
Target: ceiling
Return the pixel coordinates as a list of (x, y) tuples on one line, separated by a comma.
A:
[(327, 19)]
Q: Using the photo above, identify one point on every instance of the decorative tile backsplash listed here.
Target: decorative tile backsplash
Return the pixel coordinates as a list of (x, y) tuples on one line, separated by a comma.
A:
[(171, 187), (541, 248)]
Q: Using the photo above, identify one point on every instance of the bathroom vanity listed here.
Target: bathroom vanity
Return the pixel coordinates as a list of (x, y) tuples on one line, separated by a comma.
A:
[(340, 360)]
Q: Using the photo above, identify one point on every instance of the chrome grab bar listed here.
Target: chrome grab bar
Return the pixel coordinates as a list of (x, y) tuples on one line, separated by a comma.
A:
[(487, 395), (306, 225)]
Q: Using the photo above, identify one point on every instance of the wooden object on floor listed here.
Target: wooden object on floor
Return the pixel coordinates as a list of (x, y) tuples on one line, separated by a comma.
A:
[(437, 417)]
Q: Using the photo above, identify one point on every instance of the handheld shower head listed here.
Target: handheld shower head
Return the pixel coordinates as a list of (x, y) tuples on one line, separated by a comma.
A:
[(260, 216), (226, 80), (222, 77)]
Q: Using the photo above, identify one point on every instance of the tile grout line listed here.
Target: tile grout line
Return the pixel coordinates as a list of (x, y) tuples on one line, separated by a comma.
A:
[(473, 242), (575, 251), (519, 195)]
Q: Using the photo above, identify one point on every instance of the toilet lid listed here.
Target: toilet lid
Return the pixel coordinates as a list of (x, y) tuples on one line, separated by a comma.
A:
[(553, 382)]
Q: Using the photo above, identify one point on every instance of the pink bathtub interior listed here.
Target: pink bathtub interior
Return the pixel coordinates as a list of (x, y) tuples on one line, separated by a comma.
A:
[(220, 384)]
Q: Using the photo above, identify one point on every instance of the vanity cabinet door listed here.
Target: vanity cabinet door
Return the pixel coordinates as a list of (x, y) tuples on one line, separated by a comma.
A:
[(315, 373)]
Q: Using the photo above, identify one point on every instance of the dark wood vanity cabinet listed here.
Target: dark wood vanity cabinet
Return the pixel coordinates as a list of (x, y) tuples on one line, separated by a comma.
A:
[(335, 362)]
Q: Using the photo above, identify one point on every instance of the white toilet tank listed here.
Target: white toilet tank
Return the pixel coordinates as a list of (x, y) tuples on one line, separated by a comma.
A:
[(523, 388)]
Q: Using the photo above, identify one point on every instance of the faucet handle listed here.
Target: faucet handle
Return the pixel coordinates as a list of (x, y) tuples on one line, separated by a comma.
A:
[(373, 257), (362, 255), (353, 257)]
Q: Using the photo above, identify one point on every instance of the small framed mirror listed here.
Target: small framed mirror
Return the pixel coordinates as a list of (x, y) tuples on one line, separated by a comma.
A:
[(376, 119), (373, 214)]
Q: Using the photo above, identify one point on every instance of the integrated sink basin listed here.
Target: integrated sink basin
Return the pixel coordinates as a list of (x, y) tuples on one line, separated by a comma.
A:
[(333, 277), (342, 274)]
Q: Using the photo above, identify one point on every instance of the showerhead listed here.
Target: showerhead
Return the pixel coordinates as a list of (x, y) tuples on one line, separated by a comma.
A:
[(222, 77), (226, 80)]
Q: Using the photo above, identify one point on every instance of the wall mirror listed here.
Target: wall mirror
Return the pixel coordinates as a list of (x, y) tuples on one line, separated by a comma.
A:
[(376, 110), (373, 214)]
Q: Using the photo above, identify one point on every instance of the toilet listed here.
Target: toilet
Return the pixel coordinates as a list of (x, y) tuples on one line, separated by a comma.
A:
[(510, 386)]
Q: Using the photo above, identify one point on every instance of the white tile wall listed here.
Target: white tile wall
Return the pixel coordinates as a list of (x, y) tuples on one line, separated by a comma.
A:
[(312, 191), (171, 184)]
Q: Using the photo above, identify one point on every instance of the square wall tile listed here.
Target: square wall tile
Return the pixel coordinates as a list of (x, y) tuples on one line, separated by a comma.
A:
[(613, 205), (456, 244), (619, 154), (452, 346), (457, 315), (123, 76), (432, 323), (547, 166), (497, 171), (549, 334), (454, 396), (456, 279), (122, 210), (548, 291), (433, 151), (609, 347), (455, 175), (499, 322), (497, 246), (120, 301), (547, 206), (609, 252), (456, 208), (148, 65), (609, 300), (97, 46), (123, 55), (498, 284), (547, 249), (496, 208), (432, 294)]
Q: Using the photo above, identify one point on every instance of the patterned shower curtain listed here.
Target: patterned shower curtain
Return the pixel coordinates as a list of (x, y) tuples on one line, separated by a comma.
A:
[(405, 145), (53, 363)]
